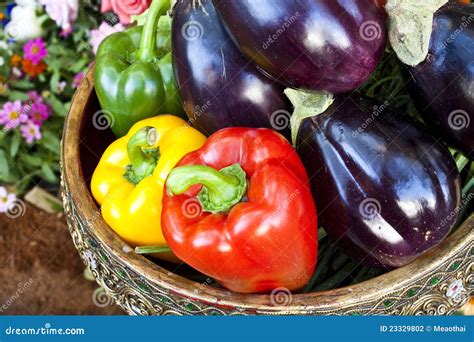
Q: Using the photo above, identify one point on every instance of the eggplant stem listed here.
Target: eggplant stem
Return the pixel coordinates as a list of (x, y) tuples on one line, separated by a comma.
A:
[(307, 104)]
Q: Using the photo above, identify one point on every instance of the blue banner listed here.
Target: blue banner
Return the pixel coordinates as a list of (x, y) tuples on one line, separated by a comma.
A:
[(246, 329)]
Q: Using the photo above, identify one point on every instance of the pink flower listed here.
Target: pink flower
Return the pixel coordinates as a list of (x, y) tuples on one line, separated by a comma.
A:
[(34, 96), (77, 80), (17, 73), (104, 30), (35, 50), (7, 200), (12, 115), (125, 8), (66, 32), (63, 12), (39, 112), (31, 132)]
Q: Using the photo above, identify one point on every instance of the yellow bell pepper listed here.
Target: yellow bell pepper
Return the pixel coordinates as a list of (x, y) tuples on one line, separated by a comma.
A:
[(128, 183)]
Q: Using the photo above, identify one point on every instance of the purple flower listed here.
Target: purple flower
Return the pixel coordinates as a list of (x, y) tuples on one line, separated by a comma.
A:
[(7, 201), (34, 96), (39, 112), (77, 80), (12, 114), (30, 131), (35, 50), (65, 32), (63, 12), (104, 30)]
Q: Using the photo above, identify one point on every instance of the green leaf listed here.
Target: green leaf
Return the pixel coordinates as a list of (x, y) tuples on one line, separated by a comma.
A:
[(18, 95), (57, 105), (22, 85), (15, 144), (48, 173), (50, 142), (31, 160), (54, 81), (4, 166), (78, 66)]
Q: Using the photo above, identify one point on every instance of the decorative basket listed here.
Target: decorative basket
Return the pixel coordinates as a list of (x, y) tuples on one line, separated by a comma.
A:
[(438, 283)]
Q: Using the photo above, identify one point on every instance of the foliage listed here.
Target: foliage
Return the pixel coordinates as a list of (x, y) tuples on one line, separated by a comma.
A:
[(68, 56)]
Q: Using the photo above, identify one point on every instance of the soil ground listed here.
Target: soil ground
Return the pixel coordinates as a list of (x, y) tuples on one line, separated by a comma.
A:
[(41, 272)]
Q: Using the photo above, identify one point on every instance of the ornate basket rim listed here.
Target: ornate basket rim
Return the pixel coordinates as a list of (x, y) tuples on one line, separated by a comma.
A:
[(351, 296)]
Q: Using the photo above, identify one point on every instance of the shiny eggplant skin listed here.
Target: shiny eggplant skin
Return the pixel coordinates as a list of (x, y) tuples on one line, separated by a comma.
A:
[(323, 45), (443, 85), (218, 85), (386, 189)]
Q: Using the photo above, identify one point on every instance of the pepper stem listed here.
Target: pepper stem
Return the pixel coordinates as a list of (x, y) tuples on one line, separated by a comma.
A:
[(221, 189), (157, 8), (143, 157), (152, 250)]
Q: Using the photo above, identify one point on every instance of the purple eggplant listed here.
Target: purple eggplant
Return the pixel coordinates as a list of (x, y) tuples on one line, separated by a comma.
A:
[(385, 189), (323, 45), (218, 85), (443, 85)]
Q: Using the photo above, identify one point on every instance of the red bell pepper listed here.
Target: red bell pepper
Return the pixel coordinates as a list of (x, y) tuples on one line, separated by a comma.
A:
[(240, 211)]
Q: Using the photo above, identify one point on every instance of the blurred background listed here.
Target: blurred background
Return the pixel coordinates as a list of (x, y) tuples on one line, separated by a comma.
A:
[(46, 46)]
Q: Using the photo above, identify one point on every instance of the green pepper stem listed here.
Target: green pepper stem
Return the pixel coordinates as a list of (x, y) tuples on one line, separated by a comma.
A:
[(157, 8), (143, 157), (221, 189), (152, 250)]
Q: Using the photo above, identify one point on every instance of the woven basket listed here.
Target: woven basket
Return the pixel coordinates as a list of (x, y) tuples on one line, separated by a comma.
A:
[(438, 283)]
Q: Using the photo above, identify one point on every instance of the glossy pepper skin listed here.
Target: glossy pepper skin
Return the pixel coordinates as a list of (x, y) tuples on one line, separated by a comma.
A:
[(134, 76), (251, 226), (133, 211)]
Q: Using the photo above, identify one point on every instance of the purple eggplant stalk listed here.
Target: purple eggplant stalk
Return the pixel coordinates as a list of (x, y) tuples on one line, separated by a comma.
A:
[(323, 45), (218, 85), (385, 189), (442, 86)]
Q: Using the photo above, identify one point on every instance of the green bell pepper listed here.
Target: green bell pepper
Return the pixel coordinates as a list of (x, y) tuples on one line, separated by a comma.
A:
[(134, 75)]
